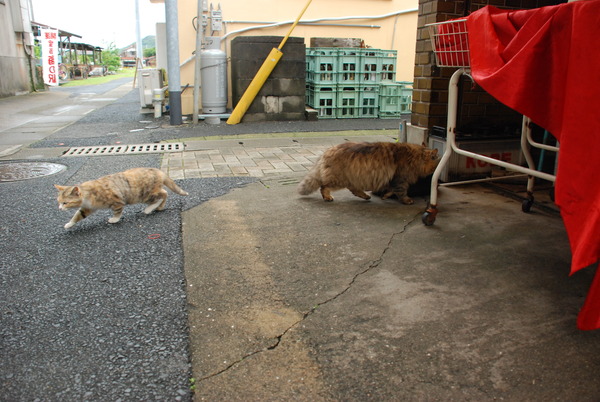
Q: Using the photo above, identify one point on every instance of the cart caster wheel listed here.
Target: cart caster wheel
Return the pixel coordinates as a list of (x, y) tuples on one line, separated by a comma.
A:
[(428, 218), (429, 215), (526, 205)]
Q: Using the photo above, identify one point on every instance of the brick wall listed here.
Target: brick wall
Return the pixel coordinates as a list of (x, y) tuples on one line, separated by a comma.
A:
[(430, 94)]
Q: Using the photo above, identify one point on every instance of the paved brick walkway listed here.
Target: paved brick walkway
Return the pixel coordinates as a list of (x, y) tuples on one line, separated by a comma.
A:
[(253, 158), (257, 162)]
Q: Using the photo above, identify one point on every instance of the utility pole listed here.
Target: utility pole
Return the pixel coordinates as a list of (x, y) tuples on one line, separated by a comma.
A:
[(139, 52), (173, 62), (198, 69)]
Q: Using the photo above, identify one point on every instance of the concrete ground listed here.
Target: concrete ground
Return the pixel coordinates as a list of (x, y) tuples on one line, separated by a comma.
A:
[(293, 298)]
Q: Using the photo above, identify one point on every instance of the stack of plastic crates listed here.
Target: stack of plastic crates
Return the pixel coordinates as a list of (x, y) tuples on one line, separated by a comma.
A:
[(321, 80), (345, 82), (395, 99)]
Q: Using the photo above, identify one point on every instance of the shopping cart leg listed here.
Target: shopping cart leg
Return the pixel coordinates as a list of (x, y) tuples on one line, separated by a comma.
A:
[(430, 213), (525, 134)]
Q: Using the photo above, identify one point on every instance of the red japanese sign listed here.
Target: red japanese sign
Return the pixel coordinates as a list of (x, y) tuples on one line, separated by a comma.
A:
[(50, 56)]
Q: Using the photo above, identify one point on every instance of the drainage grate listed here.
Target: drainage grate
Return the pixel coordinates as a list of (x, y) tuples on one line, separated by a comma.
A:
[(125, 149), (96, 151), (155, 148)]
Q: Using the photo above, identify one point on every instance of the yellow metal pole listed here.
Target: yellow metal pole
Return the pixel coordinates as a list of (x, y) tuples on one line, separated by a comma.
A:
[(257, 83), (294, 25), (261, 76)]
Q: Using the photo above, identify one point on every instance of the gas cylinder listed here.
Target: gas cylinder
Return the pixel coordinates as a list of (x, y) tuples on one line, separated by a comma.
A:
[(213, 63)]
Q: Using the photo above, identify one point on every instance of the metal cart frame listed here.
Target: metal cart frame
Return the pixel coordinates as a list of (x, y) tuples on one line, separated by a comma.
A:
[(450, 44)]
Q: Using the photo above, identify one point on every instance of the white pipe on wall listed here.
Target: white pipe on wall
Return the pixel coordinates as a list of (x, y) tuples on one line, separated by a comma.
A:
[(376, 17), (307, 22)]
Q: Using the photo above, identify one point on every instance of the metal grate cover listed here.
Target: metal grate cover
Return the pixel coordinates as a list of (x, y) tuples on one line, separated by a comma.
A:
[(28, 170), (155, 148), (125, 149)]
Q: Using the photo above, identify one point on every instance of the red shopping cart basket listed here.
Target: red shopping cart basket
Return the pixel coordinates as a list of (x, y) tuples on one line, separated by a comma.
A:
[(450, 43)]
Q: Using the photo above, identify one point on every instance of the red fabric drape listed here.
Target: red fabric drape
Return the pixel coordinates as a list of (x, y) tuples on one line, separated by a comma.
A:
[(544, 63)]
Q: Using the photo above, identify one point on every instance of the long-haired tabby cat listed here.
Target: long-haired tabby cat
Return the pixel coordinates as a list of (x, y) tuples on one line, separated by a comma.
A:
[(385, 168), (133, 186)]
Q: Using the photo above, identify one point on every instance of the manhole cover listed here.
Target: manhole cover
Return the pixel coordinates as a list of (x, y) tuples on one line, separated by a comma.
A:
[(16, 171)]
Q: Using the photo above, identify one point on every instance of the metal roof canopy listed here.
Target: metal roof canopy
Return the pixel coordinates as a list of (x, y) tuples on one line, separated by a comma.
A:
[(60, 31)]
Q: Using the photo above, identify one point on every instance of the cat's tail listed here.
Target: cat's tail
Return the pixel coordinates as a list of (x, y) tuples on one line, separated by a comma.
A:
[(167, 181), (312, 181)]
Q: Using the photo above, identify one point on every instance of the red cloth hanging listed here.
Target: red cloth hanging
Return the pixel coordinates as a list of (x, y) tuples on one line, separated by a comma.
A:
[(544, 63)]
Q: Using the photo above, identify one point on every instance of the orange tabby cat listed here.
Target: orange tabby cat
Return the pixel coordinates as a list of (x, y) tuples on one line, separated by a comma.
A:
[(383, 167), (139, 185)]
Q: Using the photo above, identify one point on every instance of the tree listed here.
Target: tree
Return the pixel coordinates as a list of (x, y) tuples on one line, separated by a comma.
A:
[(149, 52), (111, 58)]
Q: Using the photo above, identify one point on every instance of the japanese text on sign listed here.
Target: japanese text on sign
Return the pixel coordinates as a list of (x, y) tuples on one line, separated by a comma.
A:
[(50, 56)]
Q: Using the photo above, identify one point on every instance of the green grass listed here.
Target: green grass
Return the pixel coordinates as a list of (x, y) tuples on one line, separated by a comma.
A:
[(124, 73)]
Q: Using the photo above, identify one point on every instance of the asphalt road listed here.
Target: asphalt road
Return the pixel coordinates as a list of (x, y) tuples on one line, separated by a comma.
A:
[(97, 312), (121, 122)]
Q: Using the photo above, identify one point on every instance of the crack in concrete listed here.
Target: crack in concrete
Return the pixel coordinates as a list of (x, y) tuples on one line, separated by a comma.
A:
[(277, 340)]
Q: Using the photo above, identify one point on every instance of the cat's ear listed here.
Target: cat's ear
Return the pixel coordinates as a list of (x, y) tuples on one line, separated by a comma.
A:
[(75, 191), (59, 188), (435, 152)]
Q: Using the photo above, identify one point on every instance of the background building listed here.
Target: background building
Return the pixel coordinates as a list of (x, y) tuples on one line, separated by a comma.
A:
[(17, 58), (380, 24)]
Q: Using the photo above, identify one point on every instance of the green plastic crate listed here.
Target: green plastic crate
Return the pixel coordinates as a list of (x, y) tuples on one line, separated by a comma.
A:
[(347, 102), (323, 99), (395, 99), (368, 101), (321, 65), (348, 66), (378, 65)]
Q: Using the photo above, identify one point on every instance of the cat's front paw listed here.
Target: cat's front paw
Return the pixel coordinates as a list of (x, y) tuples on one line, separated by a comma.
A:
[(114, 220), (69, 225), (407, 201)]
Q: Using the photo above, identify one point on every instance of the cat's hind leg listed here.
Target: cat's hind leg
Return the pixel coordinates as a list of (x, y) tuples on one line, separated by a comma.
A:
[(81, 213), (326, 193), (117, 212), (157, 203)]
